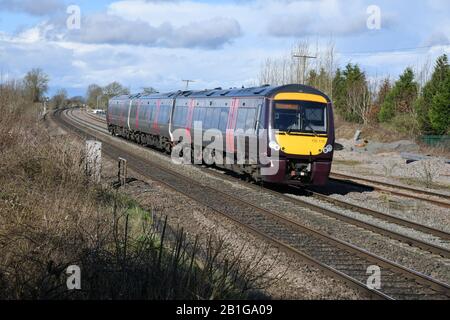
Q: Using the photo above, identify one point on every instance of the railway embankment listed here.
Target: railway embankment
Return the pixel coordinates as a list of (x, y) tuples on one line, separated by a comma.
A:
[(52, 217)]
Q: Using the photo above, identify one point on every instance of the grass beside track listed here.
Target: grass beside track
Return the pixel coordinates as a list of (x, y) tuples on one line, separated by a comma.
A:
[(52, 216)]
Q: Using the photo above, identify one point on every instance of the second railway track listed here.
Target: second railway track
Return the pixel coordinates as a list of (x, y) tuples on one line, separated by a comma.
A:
[(331, 255), (424, 245), (409, 192), (438, 199)]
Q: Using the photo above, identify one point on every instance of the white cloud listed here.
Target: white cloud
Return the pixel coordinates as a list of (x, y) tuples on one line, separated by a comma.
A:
[(158, 43), (212, 33), (279, 18), (32, 7)]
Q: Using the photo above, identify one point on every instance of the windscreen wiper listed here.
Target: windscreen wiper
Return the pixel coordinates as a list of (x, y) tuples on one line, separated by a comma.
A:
[(314, 131)]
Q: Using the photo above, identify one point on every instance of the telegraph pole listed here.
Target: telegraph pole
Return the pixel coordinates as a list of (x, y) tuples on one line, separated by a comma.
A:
[(187, 83), (304, 57)]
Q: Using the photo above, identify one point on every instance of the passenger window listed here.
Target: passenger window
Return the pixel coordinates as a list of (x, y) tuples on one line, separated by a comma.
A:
[(208, 122), (241, 118), (216, 118), (250, 122), (223, 122), (196, 115)]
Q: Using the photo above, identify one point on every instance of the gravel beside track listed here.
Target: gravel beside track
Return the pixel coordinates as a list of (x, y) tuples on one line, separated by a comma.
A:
[(331, 252)]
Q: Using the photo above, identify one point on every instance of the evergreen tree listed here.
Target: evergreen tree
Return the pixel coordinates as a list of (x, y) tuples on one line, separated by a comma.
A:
[(347, 85), (339, 91), (440, 109), (312, 78), (384, 90), (433, 87), (401, 98)]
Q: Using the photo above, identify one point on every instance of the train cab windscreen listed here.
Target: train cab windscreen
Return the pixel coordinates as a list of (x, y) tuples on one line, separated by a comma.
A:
[(300, 117)]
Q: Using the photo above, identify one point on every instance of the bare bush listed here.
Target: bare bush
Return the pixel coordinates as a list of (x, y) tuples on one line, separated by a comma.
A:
[(426, 171), (389, 166), (52, 216), (429, 171)]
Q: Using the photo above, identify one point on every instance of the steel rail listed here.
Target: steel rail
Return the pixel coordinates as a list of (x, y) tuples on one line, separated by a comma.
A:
[(438, 250), (339, 177), (336, 243)]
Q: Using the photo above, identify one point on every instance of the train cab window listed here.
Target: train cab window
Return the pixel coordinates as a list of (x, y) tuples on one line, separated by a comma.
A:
[(301, 116)]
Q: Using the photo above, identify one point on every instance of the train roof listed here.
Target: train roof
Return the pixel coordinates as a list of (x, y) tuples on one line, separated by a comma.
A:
[(262, 91)]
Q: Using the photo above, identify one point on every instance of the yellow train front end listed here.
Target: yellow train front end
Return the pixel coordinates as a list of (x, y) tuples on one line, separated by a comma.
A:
[(301, 135)]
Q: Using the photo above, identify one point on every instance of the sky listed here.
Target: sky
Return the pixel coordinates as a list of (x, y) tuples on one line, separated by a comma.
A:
[(159, 43)]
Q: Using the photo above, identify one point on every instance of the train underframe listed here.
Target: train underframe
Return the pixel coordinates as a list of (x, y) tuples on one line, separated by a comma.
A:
[(291, 171)]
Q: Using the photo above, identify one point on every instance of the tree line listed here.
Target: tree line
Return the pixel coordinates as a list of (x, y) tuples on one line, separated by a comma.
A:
[(98, 97), (406, 104)]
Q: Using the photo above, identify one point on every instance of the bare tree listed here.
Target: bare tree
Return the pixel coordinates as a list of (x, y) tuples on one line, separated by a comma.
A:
[(115, 89), (287, 69), (359, 99), (149, 90), (59, 100), (94, 92), (36, 84)]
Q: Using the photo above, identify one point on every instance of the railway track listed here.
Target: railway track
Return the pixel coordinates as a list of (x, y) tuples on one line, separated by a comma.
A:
[(335, 257), (95, 118), (444, 200), (442, 236), (383, 216), (408, 192)]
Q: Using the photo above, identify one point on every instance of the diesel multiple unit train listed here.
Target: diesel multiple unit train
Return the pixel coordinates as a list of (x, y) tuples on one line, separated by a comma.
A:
[(297, 122)]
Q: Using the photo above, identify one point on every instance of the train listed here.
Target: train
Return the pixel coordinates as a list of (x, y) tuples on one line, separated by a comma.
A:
[(291, 127)]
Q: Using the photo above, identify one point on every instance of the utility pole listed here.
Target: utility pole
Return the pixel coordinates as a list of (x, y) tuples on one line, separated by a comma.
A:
[(187, 83), (304, 57)]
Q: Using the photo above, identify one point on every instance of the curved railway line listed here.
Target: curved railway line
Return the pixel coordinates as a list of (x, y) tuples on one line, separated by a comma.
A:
[(435, 249), (335, 257), (442, 199)]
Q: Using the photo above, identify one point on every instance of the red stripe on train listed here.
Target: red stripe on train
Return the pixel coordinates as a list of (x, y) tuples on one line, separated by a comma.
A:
[(137, 114), (232, 117), (155, 121), (190, 116)]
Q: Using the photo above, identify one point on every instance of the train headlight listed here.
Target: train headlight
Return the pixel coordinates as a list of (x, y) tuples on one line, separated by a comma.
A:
[(328, 149), (274, 146)]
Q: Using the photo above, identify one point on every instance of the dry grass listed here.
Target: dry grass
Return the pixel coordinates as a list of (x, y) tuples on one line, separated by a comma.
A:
[(51, 217), (371, 132), (385, 133)]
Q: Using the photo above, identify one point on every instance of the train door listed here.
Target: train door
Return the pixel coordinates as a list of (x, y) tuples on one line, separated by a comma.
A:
[(129, 113), (231, 126), (155, 128)]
